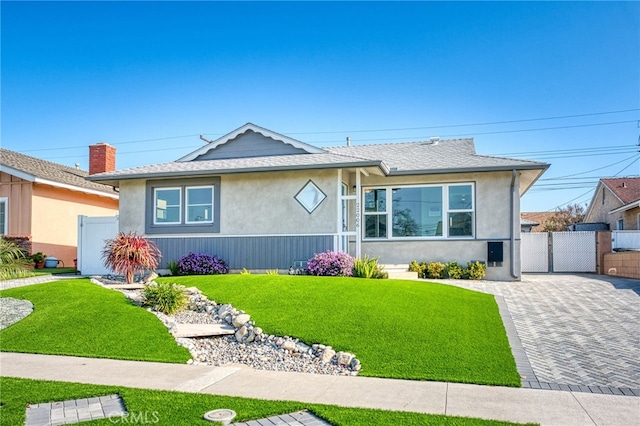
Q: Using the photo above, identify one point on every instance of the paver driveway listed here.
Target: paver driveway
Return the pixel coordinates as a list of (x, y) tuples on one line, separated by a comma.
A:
[(575, 329)]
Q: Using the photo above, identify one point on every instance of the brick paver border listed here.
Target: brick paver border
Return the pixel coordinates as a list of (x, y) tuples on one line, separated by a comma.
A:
[(529, 379)]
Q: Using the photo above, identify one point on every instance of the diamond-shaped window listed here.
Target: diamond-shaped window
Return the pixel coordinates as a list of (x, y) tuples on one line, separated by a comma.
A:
[(310, 197)]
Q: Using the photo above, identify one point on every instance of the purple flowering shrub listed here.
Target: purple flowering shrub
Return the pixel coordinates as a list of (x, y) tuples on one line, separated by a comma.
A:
[(331, 263), (202, 264)]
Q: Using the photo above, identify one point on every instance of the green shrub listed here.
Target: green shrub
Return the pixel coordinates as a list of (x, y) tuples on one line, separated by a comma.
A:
[(476, 270), (420, 268), (173, 268), (245, 271), (165, 297), (435, 270), (455, 271), (13, 261), (367, 267), (272, 272)]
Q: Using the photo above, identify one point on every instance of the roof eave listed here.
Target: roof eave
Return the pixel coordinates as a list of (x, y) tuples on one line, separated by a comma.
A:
[(626, 207), (77, 188), (113, 180), (542, 167), (17, 173)]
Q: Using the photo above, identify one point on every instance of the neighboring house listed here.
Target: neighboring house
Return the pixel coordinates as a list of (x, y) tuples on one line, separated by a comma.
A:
[(616, 202), (536, 220), (527, 225), (41, 200), (262, 200)]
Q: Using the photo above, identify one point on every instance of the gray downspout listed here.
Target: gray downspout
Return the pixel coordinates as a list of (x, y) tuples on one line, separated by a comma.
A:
[(512, 247)]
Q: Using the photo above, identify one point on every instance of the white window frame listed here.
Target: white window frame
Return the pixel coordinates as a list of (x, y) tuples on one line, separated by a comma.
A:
[(620, 224), (386, 212), (155, 205), (5, 225), (445, 212), (187, 205)]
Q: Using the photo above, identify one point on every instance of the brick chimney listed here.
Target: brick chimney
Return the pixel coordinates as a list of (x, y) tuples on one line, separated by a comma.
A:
[(102, 158)]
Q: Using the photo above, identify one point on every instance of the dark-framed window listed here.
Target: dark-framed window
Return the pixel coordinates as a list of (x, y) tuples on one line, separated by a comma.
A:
[(183, 206)]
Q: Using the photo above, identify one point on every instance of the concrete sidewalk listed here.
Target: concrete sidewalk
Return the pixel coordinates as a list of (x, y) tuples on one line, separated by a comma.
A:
[(511, 404)]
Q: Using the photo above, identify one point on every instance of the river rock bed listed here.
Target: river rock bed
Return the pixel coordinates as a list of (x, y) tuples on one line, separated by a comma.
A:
[(13, 310), (249, 345)]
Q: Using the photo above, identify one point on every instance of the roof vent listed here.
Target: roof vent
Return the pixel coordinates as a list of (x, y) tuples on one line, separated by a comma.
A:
[(348, 141), (433, 140)]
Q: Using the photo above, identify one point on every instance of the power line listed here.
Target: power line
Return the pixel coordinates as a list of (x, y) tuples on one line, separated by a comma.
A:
[(588, 171), (469, 124), (399, 129), (592, 188), (567, 150)]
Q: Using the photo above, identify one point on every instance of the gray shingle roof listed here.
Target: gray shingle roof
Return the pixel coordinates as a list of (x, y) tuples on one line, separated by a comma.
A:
[(446, 156), (50, 171)]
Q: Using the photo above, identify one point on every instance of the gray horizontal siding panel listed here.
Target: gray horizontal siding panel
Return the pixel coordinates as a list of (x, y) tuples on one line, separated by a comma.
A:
[(269, 252)]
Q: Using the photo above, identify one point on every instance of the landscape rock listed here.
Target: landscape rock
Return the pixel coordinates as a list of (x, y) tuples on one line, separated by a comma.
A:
[(289, 346), (344, 358), (224, 310), (240, 333), (327, 355), (151, 276), (240, 320)]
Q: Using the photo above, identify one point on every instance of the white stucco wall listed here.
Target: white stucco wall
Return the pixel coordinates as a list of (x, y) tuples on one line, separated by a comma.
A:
[(264, 203), (132, 208)]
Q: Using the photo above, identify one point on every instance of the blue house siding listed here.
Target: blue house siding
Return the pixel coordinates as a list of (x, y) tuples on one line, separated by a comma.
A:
[(269, 252)]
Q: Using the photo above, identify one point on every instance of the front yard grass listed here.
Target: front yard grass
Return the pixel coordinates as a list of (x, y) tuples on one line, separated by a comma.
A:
[(77, 317), (178, 408), (398, 329), (55, 271)]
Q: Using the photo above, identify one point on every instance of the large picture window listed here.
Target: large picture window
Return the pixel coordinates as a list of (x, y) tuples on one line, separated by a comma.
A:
[(183, 205), (430, 211)]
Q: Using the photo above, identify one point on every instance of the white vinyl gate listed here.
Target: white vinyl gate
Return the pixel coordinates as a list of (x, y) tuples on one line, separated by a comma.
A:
[(570, 251), (534, 252), (92, 232)]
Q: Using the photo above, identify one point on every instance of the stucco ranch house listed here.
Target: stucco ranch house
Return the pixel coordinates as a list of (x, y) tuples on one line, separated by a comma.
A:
[(261, 200)]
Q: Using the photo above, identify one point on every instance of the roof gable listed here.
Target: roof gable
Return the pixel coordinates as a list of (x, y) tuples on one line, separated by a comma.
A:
[(250, 141), (50, 173)]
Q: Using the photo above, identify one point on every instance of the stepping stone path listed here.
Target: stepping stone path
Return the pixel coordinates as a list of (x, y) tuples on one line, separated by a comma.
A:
[(74, 411), (299, 418), (202, 330)]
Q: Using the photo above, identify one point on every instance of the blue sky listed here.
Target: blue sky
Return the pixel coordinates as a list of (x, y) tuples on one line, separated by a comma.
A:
[(559, 81)]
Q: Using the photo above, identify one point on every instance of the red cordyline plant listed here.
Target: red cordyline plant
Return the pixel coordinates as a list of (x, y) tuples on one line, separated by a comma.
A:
[(129, 253)]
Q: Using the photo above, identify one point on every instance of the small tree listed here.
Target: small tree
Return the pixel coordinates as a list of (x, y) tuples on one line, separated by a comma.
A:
[(129, 253), (14, 263), (564, 217)]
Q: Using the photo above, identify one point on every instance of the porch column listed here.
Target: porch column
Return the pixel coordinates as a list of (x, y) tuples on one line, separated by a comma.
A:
[(358, 213)]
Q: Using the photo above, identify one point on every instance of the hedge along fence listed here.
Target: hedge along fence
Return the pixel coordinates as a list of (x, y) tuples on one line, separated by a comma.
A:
[(473, 271)]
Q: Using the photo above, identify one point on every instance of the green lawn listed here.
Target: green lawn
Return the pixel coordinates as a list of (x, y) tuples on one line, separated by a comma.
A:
[(54, 271), (177, 408), (76, 317), (399, 329)]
